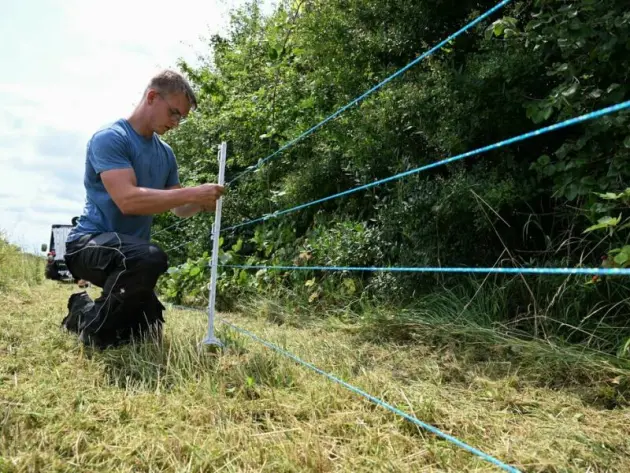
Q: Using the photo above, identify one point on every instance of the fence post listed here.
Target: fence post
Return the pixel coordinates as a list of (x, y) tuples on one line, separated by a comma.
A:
[(216, 230)]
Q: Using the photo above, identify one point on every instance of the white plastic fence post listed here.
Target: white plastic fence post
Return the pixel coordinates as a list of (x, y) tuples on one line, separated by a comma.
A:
[(216, 230)]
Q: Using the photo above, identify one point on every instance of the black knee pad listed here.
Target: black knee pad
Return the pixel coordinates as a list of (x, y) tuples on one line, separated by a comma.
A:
[(155, 259)]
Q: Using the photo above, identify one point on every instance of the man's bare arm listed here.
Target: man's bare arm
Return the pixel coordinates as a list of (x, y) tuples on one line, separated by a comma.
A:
[(121, 184), (186, 210)]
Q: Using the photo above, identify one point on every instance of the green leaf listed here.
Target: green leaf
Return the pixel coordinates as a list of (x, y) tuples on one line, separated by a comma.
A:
[(622, 257), (237, 247), (626, 142), (350, 286), (549, 170), (510, 33), (308, 102), (572, 192), (612, 88), (511, 21), (609, 196), (562, 152), (626, 348), (570, 91), (196, 270), (562, 67), (604, 222)]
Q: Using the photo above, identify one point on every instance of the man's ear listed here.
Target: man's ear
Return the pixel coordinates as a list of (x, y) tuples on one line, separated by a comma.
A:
[(151, 94)]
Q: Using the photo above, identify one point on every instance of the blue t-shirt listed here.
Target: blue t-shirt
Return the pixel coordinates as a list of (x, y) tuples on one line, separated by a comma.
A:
[(119, 146)]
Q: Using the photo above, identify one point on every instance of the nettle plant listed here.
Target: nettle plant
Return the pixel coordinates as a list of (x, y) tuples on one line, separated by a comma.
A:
[(616, 228), (189, 282), (185, 283)]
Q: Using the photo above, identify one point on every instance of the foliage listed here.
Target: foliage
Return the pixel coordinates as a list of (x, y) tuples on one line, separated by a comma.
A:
[(615, 227), (539, 203)]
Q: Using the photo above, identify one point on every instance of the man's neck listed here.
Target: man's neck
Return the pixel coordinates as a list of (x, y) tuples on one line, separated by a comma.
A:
[(140, 124)]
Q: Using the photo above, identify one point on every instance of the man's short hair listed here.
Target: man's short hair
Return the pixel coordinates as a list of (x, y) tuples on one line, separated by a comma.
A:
[(171, 82)]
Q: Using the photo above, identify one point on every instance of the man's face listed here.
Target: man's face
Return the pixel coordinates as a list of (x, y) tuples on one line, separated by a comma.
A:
[(168, 111)]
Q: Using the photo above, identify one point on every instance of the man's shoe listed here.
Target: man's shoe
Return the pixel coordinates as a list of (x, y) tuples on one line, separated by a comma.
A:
[(79, 309)]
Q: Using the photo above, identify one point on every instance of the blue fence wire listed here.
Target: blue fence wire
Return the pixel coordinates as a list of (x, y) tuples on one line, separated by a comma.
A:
[(569, 271), (573, 121), (364, 394), (170, 227), (500, 144), (375, 88), (376, 400)]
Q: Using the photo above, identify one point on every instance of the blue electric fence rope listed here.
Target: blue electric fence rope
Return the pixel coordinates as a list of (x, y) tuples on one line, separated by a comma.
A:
[(557, 126), (376, 87), (376, 400), (580, 271), (367, 396), (500, 144), (176, 224)]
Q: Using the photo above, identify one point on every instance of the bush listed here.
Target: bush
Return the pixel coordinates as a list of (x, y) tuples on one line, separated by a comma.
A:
[(532, 65)]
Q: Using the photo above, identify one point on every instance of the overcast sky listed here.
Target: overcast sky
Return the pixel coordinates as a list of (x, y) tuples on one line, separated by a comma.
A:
[(69, 67)]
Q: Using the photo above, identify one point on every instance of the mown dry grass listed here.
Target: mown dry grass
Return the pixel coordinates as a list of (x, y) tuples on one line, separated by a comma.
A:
[(179, 407)]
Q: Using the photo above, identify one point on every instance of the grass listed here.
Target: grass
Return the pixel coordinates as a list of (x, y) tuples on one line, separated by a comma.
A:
[(19, 270), (178, 407)]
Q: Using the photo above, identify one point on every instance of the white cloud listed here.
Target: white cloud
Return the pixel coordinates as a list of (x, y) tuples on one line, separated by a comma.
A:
[(69, 67)]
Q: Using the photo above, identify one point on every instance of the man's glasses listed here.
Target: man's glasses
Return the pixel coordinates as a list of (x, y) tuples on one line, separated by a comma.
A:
[(173, 112)]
